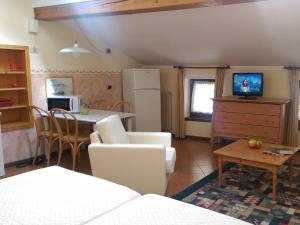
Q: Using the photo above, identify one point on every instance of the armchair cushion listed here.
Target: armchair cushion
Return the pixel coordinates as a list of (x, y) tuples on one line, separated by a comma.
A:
[(111, 130), (170, 159), (150, 138)]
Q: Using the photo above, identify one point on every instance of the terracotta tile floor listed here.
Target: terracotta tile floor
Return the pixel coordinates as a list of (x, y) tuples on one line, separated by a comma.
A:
[(194, 161)]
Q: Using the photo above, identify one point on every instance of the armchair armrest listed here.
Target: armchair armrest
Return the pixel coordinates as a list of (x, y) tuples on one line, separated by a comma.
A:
[(150, 138), (127, 147), (141, 167)]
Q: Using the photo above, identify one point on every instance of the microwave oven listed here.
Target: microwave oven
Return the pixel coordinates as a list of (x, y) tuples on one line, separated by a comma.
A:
[(68, 103)]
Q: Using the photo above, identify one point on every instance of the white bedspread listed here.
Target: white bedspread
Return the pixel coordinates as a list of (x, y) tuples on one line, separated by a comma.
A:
[(56, 196), (158, 210)]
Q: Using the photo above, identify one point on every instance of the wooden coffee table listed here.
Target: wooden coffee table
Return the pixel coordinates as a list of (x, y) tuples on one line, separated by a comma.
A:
[(239, 152)]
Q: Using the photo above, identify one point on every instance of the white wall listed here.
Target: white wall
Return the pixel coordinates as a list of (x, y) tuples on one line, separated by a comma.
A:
[(52, 37), (39, 3), (275, 86), (196, 128), (169, 84)]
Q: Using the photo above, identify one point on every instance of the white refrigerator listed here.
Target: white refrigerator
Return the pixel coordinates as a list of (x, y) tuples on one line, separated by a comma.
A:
[(141, 87)]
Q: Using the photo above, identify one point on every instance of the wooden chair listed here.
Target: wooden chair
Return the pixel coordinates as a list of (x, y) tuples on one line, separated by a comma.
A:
[(122, 107), (67, 127), (44, 130), (99, 104)]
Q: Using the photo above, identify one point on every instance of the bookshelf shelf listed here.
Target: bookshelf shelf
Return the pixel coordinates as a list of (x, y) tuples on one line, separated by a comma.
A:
[(15, 125), (14, 89), (12, 72), (14, 69), (13, 107)]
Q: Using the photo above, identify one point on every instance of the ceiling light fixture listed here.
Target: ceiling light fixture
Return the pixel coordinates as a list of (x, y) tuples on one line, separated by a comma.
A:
[(75, 50)]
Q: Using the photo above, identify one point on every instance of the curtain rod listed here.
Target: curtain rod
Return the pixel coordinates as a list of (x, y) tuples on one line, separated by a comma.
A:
[(202, 67), (292, 67)]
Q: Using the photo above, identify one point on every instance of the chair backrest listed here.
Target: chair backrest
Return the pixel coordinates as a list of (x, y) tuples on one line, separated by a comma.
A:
[(65, 123), (112, 131), (95, 138), (122, 107), (99, 104), (42, 120)]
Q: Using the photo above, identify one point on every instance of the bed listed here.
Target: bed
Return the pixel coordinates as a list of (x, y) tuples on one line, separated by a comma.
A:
[(158, 210), (56, 196)]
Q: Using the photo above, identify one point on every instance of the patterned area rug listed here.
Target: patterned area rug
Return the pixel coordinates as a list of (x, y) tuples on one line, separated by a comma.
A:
[(246, 195)]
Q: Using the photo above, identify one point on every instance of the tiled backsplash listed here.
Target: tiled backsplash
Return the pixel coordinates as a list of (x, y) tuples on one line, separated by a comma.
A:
[(91, 86)]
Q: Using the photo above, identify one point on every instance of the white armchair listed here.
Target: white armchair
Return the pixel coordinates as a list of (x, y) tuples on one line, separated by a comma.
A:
[(139, 160)]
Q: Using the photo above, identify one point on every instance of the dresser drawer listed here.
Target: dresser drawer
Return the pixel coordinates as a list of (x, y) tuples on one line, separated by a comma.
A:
[(250, 108), (246, 130), (248, 119)]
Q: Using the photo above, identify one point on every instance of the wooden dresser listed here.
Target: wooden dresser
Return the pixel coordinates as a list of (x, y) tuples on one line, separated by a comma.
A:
[(264, 119)]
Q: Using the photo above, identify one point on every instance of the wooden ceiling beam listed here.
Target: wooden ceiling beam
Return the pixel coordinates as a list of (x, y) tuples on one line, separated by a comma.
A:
[(121, 7)]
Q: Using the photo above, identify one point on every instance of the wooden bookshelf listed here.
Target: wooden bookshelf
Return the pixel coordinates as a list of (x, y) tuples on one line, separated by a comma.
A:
[(15, 69)]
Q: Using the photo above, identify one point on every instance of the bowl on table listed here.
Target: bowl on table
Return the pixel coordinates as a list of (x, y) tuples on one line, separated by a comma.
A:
[(253, 143)]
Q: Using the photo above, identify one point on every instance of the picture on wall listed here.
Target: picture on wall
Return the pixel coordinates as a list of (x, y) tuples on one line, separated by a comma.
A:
[(59, 86)]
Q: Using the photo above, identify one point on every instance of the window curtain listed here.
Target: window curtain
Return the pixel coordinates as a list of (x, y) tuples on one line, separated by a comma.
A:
[(219, 84), (179, 133), (292, 127)]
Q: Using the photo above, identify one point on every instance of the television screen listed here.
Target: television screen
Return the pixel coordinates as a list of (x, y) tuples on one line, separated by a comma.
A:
[(247, 84)]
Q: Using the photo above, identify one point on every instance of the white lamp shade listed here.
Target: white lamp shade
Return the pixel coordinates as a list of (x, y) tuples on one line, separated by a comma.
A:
[(75, 49)]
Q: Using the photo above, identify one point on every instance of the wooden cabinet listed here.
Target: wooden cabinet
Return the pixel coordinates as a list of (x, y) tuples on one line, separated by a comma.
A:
[(264, 119), (15, 86)]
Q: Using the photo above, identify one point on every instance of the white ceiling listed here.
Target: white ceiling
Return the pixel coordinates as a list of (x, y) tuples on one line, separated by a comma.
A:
[(41, 3), (261, 33)]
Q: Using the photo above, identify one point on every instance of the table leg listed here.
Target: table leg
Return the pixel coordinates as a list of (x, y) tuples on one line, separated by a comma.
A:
[(275, 171), (130, 124), (212, 143), (291, 168), (220, 167)]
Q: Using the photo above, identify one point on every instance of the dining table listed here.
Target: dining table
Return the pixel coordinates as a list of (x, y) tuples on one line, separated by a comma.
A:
[(92, 117), (95, 115)]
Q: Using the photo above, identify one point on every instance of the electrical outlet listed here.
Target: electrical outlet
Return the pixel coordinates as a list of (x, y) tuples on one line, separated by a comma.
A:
[(34, 50)]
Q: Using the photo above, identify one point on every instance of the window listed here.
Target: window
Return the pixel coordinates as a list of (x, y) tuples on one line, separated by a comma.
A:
[(201, 93)]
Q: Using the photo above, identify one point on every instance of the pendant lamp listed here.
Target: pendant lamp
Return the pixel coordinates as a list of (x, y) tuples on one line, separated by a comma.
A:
[(75, 50)]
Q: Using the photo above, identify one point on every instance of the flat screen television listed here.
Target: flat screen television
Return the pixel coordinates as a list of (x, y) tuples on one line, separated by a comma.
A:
[(247, 84)]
